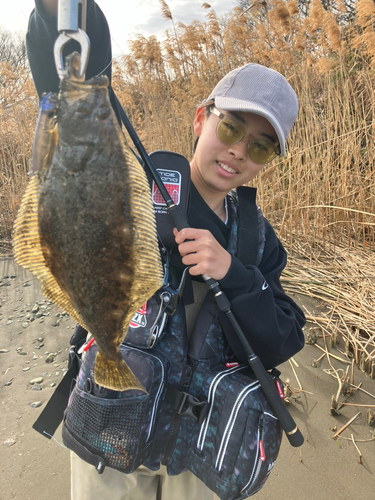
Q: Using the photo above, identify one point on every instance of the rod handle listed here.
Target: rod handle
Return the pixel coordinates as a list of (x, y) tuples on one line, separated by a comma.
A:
[(278, 406)]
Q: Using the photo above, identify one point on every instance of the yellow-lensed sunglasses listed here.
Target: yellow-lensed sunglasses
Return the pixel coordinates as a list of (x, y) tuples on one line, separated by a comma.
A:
[(231, 132)]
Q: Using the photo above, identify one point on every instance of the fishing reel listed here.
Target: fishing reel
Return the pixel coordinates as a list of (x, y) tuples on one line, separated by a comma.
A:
[(167, 297)]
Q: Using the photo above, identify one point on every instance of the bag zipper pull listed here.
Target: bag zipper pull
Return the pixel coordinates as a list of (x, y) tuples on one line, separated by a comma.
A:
[(86, 346), (262, 454), (279, 389)]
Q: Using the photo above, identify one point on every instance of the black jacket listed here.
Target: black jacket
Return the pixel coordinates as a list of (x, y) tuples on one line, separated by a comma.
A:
[(271, 320)]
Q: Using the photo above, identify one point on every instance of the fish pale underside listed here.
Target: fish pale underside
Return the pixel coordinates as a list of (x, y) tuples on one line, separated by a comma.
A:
[(86, 227)]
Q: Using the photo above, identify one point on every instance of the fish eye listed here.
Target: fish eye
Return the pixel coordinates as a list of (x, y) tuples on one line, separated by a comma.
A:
[(84, 108), (103, 112)]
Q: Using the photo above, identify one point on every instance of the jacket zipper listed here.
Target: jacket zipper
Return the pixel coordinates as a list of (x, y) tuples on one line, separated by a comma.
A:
[(232, 421), (260, 457), (211, 394)]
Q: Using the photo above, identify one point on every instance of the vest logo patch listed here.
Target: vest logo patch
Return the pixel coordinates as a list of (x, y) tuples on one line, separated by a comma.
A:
[(139, 318), (172, 182)]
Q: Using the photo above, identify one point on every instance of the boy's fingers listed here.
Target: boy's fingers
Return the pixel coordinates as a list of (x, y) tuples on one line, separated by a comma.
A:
[(192, 246), (188, 233)]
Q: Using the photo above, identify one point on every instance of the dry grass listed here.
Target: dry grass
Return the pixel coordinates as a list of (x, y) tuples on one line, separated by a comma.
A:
[(321, 197), (343, 280), (18, 111)]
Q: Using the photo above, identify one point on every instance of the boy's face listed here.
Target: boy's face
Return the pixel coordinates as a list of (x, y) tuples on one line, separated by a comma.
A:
[(219, 167)]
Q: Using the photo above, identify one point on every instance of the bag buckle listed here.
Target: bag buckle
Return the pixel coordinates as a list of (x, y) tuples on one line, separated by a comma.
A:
[(196, 410)]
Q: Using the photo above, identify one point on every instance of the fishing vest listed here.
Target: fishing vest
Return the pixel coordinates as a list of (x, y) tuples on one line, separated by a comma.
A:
[(203, 411)]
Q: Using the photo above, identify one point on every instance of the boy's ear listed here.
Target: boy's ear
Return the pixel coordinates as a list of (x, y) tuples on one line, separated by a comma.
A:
[(200, 118)]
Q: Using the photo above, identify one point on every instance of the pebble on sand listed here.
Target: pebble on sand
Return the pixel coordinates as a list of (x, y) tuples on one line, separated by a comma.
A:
[(36, 404), (50, 358), (37, 380)]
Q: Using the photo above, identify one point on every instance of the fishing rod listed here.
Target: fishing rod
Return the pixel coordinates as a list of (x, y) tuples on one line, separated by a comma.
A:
[(68, 13)]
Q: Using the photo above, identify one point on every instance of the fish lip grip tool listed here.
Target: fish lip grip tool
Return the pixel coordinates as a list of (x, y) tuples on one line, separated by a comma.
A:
[(67, 26)]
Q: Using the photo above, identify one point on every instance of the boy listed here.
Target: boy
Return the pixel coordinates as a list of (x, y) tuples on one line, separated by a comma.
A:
[(242, 125)]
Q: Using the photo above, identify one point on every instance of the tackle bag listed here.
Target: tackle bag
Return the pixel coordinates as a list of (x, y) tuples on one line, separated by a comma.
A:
[(230, 443), (235, 448)]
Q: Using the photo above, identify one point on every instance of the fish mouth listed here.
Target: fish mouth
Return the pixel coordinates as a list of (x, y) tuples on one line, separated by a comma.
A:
[(72, 90), (73, 78), (95, 81)]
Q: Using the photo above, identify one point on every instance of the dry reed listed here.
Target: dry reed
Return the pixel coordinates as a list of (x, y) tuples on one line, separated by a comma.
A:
[(18, 110)]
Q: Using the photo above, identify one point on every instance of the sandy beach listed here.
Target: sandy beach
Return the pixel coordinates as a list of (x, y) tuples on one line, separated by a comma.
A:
[(33, 467)]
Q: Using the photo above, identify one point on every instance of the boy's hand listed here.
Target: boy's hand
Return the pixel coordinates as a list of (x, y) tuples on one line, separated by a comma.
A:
[(203, 252)]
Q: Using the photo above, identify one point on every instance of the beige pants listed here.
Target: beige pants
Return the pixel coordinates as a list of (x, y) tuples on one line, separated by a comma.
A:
[(143, 484)]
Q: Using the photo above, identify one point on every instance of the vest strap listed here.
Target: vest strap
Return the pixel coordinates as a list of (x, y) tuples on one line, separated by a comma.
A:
[(248, 229), (52, 415)]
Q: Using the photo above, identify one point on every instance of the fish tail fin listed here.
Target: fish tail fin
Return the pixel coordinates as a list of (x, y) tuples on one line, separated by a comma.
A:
[(115, 374)]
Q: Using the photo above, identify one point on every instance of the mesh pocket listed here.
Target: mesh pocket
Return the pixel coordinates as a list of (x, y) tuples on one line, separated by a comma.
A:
[(116, 428), (109, 428)]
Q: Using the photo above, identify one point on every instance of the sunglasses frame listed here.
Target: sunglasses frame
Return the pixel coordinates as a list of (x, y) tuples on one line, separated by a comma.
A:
[(276, 149)]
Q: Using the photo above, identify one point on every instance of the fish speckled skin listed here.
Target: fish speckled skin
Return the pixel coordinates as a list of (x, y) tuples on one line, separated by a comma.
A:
[(86, 226)]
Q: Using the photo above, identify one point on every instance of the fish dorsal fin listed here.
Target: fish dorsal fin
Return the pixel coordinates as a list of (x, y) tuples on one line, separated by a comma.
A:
[(28, 250), (148, 276)]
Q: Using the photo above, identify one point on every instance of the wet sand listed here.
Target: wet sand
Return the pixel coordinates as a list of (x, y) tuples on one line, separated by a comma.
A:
[(33, 467)]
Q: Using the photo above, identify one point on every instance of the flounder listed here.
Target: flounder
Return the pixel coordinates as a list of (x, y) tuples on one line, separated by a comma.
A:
[(86, 226)]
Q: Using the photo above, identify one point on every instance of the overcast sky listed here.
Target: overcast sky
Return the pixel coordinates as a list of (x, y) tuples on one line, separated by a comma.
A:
[(126, 18)]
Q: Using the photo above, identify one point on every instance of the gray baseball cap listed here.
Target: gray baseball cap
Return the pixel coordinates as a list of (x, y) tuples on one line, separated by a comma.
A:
[(253, 88)]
